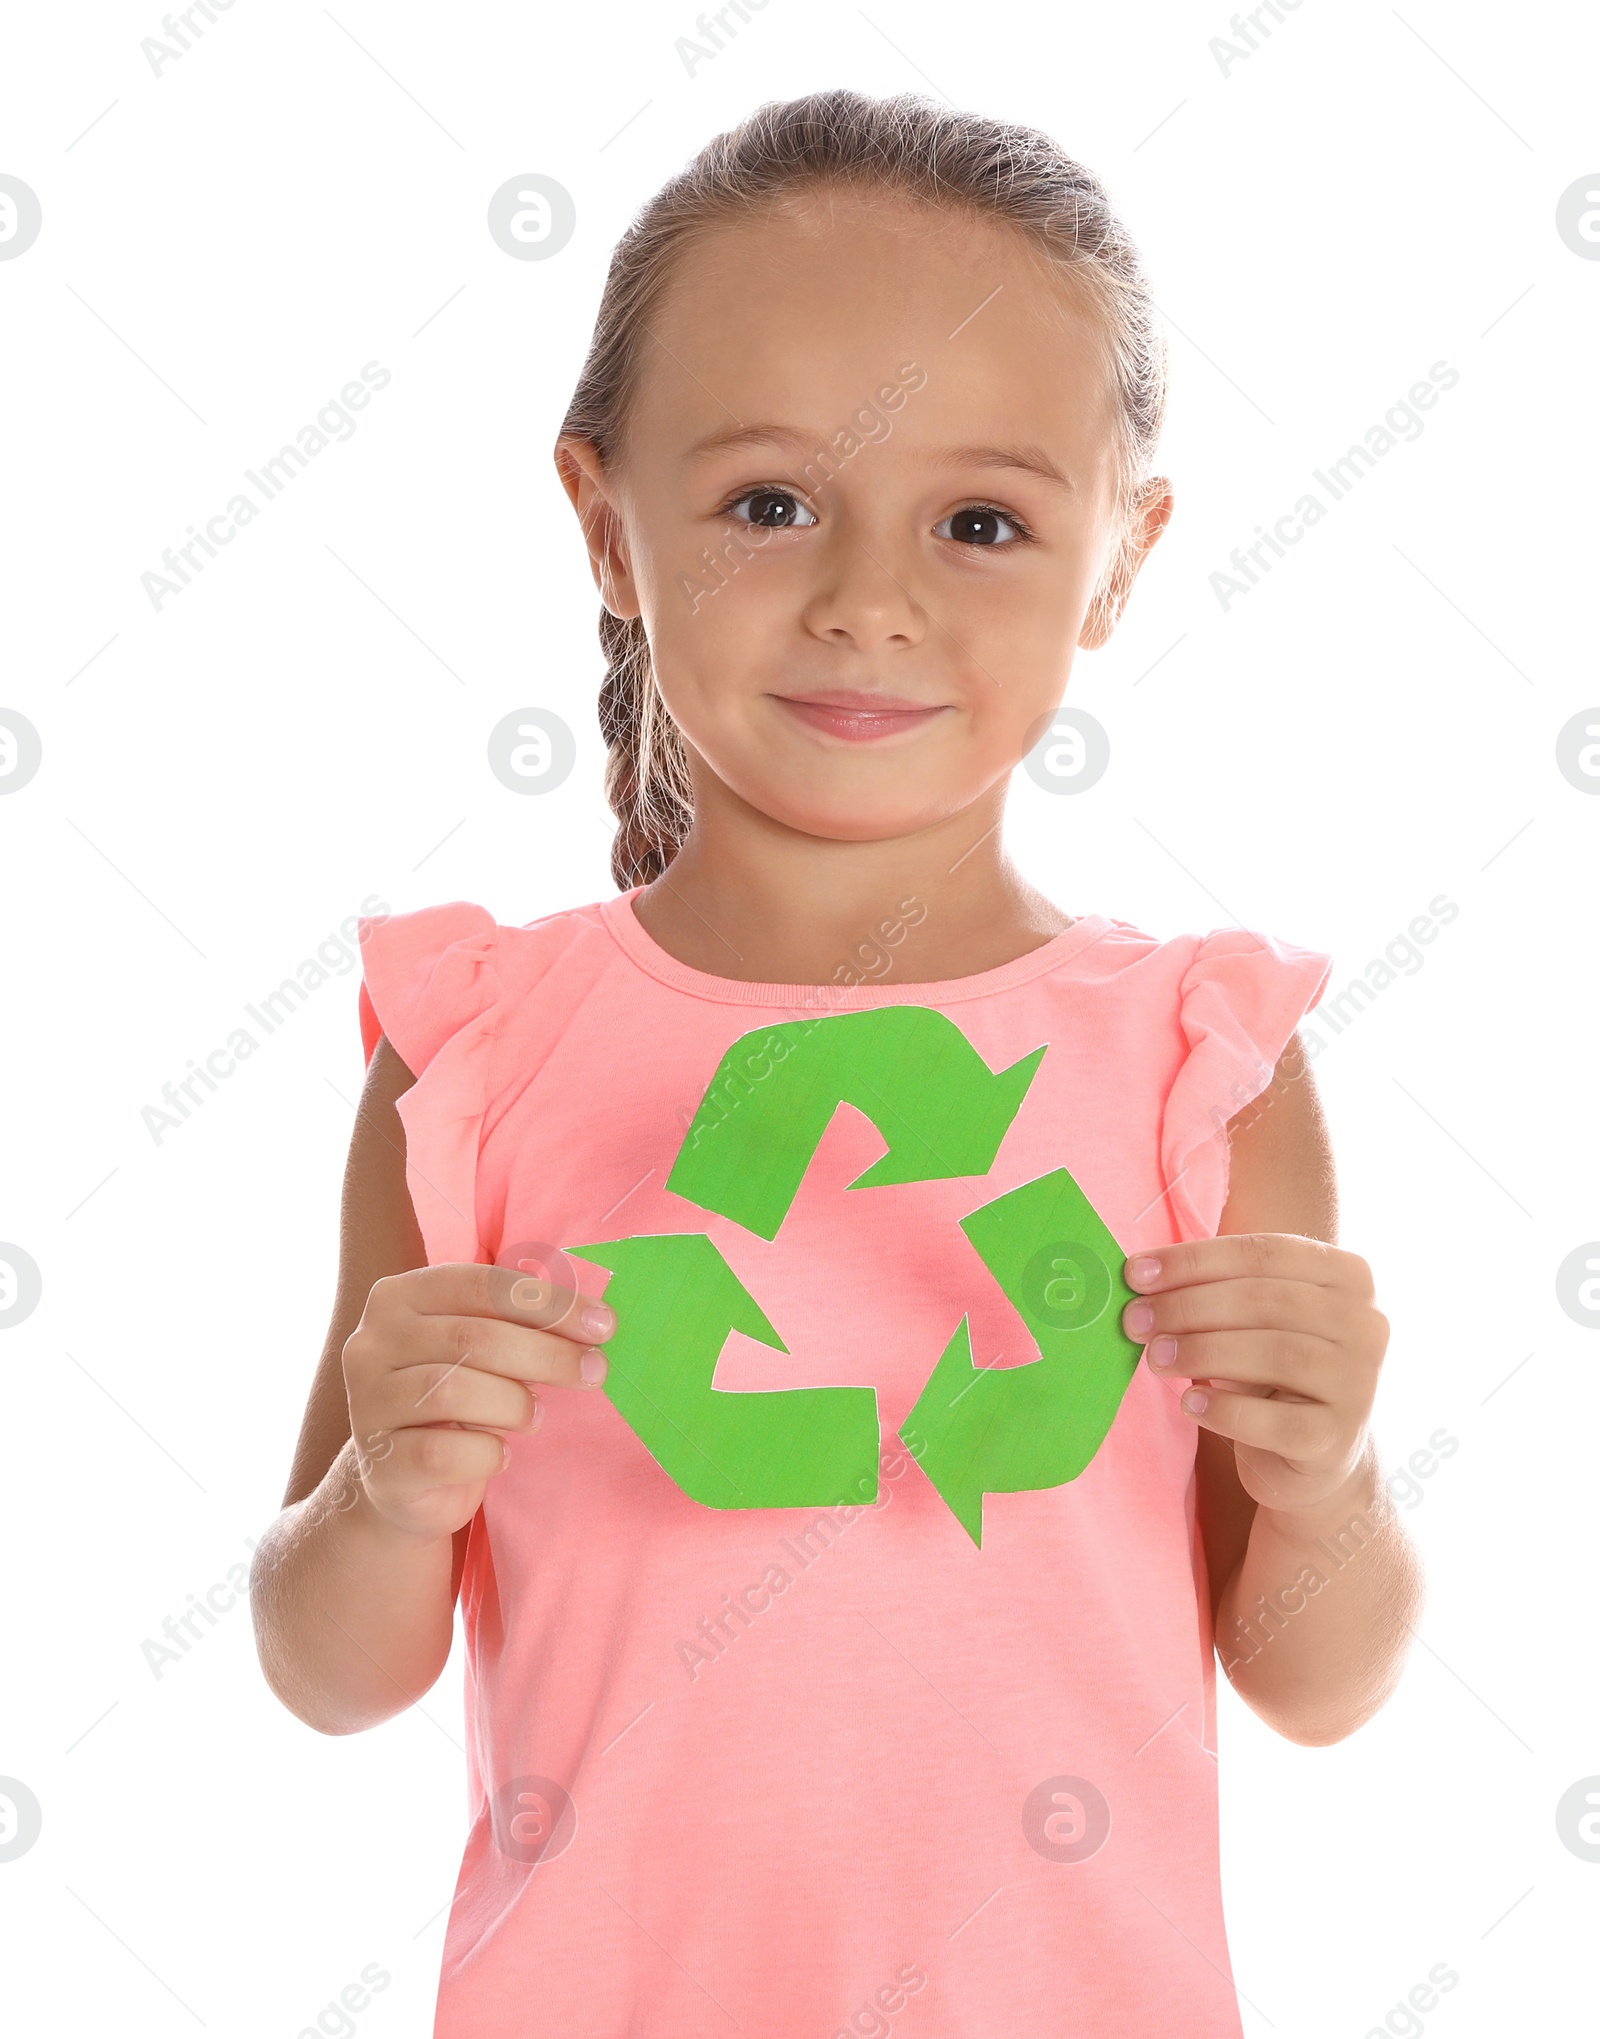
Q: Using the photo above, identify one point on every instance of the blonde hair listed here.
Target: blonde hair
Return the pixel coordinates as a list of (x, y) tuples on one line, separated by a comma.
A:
[(907, 146)]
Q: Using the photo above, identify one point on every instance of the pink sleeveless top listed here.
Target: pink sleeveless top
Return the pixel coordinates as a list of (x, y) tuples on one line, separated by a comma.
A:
[(845, 1664)]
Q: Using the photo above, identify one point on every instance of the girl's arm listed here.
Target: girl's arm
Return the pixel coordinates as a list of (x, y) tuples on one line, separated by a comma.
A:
[(1316, 1586), (427, 1374), (354, 1616)]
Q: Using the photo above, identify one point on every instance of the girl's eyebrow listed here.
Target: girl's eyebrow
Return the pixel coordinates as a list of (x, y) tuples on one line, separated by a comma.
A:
[(1028, 459), (1023, 459), (754, 435)]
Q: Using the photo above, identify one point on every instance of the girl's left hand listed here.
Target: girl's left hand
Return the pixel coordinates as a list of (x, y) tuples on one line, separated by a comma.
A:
[(1283, 1342)]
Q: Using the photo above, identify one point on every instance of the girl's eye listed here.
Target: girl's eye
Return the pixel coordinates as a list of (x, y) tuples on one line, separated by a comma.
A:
[(977, 525), (773, 509)]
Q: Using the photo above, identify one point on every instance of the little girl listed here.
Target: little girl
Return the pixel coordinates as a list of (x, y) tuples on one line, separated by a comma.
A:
[(845, 1665)]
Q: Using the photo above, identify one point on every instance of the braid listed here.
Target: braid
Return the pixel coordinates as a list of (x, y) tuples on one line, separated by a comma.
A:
[(647, 772)]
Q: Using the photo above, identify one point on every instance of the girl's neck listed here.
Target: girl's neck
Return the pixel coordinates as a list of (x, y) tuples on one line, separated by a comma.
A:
[(748, 899)]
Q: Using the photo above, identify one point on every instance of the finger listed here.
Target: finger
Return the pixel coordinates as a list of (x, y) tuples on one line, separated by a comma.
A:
[(424, 1459), (1297, 1431), (1305, 1364), (1229, 1387), (381, 1444), (1278, 1256), (534, 1297), (415, 1397), (1250, 1304), (496, 1347)]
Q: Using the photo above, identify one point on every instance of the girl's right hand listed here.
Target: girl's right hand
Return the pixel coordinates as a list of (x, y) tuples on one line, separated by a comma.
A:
[(441, 1370)]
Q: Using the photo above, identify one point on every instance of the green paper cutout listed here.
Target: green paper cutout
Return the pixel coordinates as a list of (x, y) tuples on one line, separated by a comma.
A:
[(676, 1300), (1002, 1430), (974, 1430), (913, 1072)]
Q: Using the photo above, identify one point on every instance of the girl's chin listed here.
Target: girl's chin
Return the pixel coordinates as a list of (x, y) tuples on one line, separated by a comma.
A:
[(843, 820)]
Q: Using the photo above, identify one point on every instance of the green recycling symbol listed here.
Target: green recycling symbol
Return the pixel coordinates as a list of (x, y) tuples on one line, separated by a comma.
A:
[(943, 1113)]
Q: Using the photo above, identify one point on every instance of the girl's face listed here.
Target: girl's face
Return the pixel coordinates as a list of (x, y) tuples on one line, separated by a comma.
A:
[(864, 504)]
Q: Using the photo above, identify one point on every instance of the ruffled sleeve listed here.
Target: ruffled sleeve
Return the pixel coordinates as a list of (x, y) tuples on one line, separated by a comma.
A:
[(430, 983), (1240, 1001)]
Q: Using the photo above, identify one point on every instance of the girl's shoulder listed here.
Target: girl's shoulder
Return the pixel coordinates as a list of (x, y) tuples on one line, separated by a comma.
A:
[(1262, 977), (430, 972), (428, 930), (1242, 956), (1231, 997)]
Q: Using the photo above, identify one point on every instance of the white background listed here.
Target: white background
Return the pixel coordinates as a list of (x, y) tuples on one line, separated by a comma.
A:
[(225, 780)]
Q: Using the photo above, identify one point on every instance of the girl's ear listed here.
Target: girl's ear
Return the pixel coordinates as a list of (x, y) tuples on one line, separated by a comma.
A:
[(1147, 520), (583, 476)]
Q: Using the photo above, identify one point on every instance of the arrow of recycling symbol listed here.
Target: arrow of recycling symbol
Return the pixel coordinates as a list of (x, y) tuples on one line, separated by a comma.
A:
[(942, 1113)]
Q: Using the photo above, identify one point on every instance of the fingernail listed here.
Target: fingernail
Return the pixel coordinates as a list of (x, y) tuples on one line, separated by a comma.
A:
[(1137, 1319), (592, 1368), (1142, 1272), (538, 1415), (505, 1454), (598, 1321), (1196, 1401), (1164, 1352)]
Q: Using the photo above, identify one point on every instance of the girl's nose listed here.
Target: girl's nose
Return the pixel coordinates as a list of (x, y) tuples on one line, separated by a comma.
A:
[(861, 599)]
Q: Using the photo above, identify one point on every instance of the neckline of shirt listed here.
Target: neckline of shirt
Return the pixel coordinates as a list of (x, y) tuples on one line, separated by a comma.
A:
[(641, 948)]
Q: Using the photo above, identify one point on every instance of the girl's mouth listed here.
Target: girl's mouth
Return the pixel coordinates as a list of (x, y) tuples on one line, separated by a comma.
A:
[(857, 716)]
